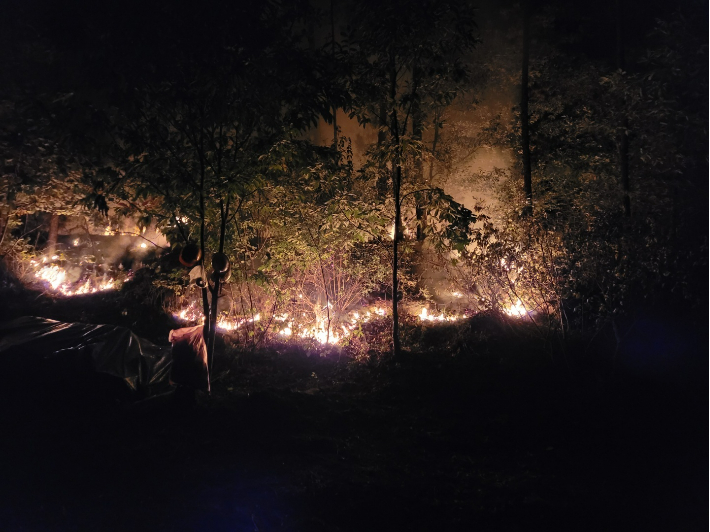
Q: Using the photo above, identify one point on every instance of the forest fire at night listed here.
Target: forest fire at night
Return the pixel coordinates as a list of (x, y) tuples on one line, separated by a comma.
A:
[(286, 325), (354, 265)]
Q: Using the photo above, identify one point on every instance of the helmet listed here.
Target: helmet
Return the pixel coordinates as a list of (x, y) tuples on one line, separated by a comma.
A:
[(190, 255), (220, 262)]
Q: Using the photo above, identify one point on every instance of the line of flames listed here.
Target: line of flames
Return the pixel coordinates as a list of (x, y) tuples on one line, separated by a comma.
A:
[(56, 277), (284, 325), (287, 326)]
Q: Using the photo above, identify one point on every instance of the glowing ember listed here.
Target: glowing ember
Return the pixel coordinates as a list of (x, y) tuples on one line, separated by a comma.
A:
[(183, 314), (425, 316), (228, 325), (88, 288), (144, 245), (56, 277), (517, 310)]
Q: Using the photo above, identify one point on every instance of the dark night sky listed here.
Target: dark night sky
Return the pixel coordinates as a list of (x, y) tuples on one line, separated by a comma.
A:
[(139, 27)]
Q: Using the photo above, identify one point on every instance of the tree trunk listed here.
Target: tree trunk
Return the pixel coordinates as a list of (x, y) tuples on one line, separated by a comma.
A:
[(53, 233), (224, 214), (382, 179), (7, 207), (4, 222), (524, 114), (623, 141), (417, 130), (332, 52), (206, 329), (396, 178), (396, 183)]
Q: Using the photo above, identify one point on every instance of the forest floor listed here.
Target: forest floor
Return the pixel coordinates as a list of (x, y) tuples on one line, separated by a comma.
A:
[(493, 437)]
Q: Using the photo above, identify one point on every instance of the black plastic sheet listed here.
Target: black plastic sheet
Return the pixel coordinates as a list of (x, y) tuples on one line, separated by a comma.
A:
[(41, 350)]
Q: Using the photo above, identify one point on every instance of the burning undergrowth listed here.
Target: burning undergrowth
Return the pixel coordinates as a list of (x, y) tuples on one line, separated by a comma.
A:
[(83, 265), (249, 317), (340, 318), (75, 280), (303, 319)]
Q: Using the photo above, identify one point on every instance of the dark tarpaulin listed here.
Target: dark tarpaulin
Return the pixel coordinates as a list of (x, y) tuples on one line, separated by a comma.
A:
[(41, 350)]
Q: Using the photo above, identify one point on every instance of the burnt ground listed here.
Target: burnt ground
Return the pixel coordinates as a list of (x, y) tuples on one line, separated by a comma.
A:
[(485, 433)]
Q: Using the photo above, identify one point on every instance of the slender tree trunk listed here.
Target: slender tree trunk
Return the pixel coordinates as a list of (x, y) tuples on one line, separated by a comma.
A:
[(417, 131), (434, 144), (623, 142), (224, 213), (396, 184), (4, 222), (7, 207), (335, 127), (524, 114), (327, 297), (53, 233), (382, 180), (324, 280), (205, 302), (332, 52), (396, 177)]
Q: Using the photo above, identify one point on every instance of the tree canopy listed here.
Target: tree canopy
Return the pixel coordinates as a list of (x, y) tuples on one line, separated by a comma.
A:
[(200, 120)]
